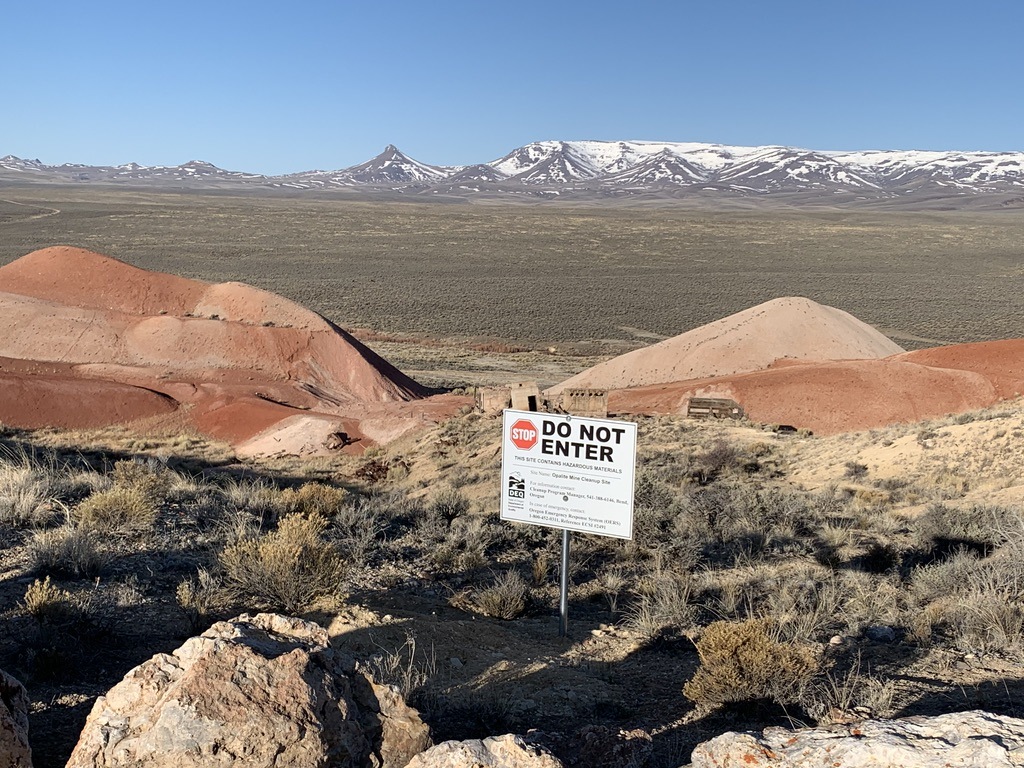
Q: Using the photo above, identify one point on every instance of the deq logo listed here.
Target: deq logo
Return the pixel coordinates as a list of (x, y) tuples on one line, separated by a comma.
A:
[(523, 434), (516, 487)]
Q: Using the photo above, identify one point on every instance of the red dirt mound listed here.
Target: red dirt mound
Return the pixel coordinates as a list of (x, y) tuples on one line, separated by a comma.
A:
[(76, 277), (243, 359), (30, 401), (787, 328), (1002, 362), (827, 398)]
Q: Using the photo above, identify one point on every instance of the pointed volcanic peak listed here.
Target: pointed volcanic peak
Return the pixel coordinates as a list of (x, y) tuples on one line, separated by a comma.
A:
[(663, 169), (392, 166), (791, 328), (12, 163), (785, 168)]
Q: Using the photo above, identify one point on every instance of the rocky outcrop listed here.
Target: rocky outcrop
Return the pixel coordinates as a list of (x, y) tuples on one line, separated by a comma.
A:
[(14, 747), (263, 690), (507, 751), (958, 739)]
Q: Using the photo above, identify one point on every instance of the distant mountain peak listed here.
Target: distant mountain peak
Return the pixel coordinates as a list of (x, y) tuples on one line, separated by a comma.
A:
[(590, 169), (392, 166)]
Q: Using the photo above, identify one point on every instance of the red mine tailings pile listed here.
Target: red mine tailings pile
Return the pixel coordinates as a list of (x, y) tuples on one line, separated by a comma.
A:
[(791, 361), (87, 340)]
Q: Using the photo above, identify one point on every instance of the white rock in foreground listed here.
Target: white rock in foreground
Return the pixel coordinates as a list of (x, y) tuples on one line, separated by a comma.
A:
[(972, 739), (507, 751), (262, 690)]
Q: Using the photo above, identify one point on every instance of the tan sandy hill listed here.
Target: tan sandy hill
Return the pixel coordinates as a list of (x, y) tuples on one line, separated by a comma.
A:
[(848, 395), (241, 359), (792, 328)]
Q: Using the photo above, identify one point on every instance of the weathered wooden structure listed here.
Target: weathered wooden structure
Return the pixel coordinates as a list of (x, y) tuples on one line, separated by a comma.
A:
[(713, 408)]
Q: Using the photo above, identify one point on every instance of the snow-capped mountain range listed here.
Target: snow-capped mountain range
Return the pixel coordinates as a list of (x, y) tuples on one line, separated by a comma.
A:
[(546, 169)]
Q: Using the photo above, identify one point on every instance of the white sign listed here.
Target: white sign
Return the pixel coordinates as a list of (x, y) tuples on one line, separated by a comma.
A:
[(568, 472)]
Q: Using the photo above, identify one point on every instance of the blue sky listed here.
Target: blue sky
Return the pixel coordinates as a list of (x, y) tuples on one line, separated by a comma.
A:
[(281, 87)]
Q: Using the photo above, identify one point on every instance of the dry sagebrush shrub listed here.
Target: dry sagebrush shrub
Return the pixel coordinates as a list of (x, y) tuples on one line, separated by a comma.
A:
[(49, 604), (449, 504), (71, 550), (315, 499), (131, 503), (743, 661), (287, 569), (117, 509)]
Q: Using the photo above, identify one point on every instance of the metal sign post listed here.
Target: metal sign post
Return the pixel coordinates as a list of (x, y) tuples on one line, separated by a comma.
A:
[(568, 472), (563, 603)]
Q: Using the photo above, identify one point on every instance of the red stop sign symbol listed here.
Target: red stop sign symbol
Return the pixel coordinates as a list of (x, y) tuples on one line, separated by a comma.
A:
[(523, 434)]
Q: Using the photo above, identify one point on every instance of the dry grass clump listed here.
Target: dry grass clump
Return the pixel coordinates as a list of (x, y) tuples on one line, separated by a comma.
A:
[(287, 569), (146, 478), (200, 597), (850, 695), (973, 602), (665, 601), (255, 496), (29, 487), (405, 667), (505, 599), (70, 550), (743, 661)]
